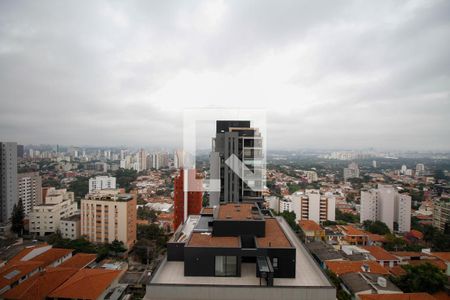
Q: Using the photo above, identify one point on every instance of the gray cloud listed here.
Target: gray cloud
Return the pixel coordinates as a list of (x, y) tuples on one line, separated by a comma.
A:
[(330, 73)]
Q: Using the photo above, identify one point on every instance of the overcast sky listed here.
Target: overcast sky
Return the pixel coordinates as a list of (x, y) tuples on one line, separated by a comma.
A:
[(344, 74)]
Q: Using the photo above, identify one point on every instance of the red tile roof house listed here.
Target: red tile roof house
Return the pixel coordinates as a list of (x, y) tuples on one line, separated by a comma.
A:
[(29, 262), (41, 284), (344, 267), (380, 255), (414, 236)]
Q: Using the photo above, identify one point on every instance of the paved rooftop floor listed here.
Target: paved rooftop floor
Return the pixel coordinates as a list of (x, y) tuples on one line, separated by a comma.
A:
[(308, 272)]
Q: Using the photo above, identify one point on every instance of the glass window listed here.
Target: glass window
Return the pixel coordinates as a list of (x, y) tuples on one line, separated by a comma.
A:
[(275, 262), (226, 266)]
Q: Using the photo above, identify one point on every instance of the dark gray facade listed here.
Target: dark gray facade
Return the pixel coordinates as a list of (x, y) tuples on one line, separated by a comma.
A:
[(235, 138), (8, 180)]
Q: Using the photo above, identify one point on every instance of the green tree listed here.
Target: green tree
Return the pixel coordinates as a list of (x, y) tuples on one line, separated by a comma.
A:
[(117, 247), (290, 216), (17, 217), (80, 187), (346, 217), (421, 278), (145, 213), (376, 227), (340, 293), (394, 243), (145, 250), (125, 177), (152, 232)]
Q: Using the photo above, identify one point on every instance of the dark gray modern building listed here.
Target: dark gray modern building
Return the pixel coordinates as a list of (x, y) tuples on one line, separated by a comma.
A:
[(237, 251), (8, 180), (240, 139)]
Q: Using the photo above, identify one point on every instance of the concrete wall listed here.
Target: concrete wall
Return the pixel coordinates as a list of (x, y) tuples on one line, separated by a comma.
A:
[(203, 292)]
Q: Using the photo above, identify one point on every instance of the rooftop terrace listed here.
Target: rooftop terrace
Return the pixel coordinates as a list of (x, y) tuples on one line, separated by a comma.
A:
[(308, 273), (245, 211)]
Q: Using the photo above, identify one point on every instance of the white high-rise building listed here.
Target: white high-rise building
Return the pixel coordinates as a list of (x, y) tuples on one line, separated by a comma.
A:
[(385, 204), (102, 183), (178, 159), (352, 171), (311, 176), (8, 180), (420, 169), (310, 205), (403, 169), (141, 160), (58, 204), (29, 189)]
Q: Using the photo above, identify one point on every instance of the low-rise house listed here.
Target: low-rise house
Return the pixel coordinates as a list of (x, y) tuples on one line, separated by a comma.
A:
[(414, 236), (382, 256), (343, 267), (323, 252), (357, 284), (311, 231), (71, 279), (70, 227), (30, 262), (353, 235), (95, 283), (45, 218)]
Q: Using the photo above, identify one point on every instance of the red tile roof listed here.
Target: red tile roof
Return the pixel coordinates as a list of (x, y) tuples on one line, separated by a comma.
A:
[(351, 230), (40, 285), (309, 225), (26, 251), (436, 262), (445, 256), (52, 255), (416, 234), (379, 253), (93, 282), (408, 253), (79, 260), (275, 237), (406, 296), (12, 272), (397, 270), (375, 237), (344, 267), (235, 211), (199, 239)]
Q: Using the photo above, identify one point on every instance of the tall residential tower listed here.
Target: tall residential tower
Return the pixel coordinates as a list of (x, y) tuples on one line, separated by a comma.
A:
[(8, 180), (240, 139)]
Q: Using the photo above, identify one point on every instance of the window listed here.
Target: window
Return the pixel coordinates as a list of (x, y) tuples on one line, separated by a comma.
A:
[(226, 266), (275, 262)]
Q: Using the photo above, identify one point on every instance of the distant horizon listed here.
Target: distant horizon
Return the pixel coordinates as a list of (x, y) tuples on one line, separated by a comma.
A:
[(161, 148)]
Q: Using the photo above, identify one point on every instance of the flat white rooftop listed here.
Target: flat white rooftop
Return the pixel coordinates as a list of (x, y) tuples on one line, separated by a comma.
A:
[(308, 272)]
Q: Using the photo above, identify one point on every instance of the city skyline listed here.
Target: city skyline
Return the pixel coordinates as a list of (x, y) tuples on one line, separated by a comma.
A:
[(331, 75)]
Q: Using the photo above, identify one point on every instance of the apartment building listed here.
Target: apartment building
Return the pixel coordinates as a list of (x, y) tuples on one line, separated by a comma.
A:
[(70, 227), (108, 215), (441, 216), (385, 204), (352, 171), (46, 217), (189, 203), (101, 183), (310, 205), (8, 180), (237, 139), (29, 190)]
